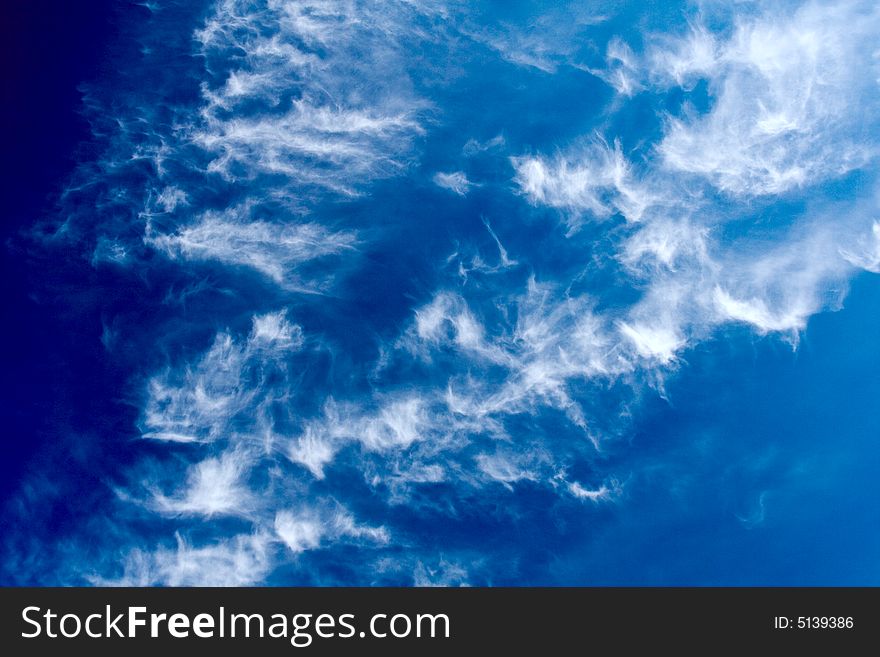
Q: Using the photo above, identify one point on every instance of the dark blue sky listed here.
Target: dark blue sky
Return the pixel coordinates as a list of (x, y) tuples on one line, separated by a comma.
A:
[(45, 134)]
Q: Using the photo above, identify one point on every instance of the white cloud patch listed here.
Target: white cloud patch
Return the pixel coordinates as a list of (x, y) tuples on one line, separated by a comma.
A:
[(301, 102), (214, 486), (354, 117), (200, 402), (241, 560), (665, 244), (544, 40), (601, 494), (298, 533), (273, 249), (781, 93), (170, 198), (307, 530), (553, 343), (444, 574), (473, 147), (314, 448), (695, 284), (780, 289), (596, 180), (622, 68), (355, 142), (226, 402), (865, 253), (456, 182), (784, 88), (507, 468), (448, 319), (393, 425), (652, 340), (686, 60)]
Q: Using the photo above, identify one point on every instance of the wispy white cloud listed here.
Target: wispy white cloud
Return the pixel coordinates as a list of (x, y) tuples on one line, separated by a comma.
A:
[(665, 244), (596, 180), (474, 147), (444, 573), (456, 182), (622, 68), (233, 237), (778, 118), (327, 136), (214, 486), (603, 493), (448, 319), (198, 402), (684, 61), (542, 40), (553, 342), (782, 287), (240, 560), (784, 87), (696, 283), (865, 252), (308, 530), (506, 468), (359, 144)]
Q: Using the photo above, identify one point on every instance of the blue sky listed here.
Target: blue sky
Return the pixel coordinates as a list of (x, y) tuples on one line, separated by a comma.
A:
[(449, 293)]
